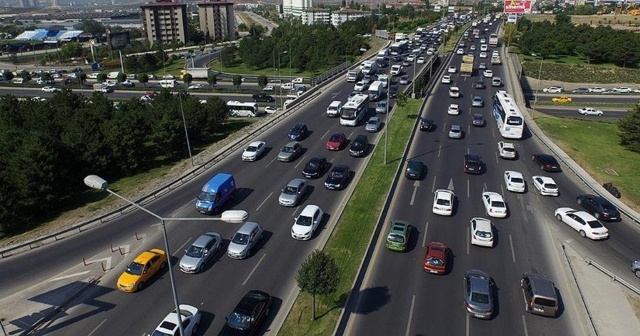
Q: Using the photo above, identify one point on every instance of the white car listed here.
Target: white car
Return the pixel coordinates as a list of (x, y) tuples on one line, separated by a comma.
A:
[(597, 90), (553, 89), (454, 92), (254, 151), (495, 53), (443, 202), (307, 222), (487, 73), (507, 150), (298, 80), (92, 75), (590, 111), (622, 90), (514, 181), (494, 204), (190, 317), (583, 222), (452, 69), (270, 109), (359, 86), (446, 79), (454, 109), (483, 54), (545, 185), (472, 47), (38, 99), (460, 51), (455, 132), (268, 88), (410, 58), (481, 232), (420, 60), (195, 86), (49, 89), (483, 47)]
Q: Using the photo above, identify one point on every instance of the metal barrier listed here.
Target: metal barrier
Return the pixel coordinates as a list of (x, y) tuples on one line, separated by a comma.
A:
[(612, 275)]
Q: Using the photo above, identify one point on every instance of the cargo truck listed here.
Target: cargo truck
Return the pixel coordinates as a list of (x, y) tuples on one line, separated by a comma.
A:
[(215, 193), (493, 40), (196, 73), (375, 90), (354, 75), (466, 68)]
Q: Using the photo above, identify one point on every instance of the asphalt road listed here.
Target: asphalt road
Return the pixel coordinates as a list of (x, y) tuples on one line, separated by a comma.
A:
[(103, 310), (589, 98), (609, 114), (398, 298)]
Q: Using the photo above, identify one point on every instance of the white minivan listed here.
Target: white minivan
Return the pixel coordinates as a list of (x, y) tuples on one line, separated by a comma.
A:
[(334, 109)]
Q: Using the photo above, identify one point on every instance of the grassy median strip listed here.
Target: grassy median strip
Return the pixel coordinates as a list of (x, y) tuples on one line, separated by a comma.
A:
[(350, 238), (595, 146)]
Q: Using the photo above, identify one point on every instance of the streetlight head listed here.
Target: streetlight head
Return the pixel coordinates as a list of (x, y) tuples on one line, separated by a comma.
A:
[(234, 216), (96, 182)]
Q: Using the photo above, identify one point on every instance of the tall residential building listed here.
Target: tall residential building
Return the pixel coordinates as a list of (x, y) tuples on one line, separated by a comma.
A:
[(295, 7), (345, 15), (165, 20), (316, 15), (28, 3), (216, 18)]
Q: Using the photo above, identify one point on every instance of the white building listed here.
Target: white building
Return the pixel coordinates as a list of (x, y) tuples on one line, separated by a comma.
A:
[(316, 15), (295, 7), (341, 16)]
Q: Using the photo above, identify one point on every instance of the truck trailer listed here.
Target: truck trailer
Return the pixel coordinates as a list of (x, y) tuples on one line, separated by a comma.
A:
[(466, 68), (196, 73)]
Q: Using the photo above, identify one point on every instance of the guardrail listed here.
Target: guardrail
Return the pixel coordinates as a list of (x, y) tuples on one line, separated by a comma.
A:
[(612, 275), (575, 282)]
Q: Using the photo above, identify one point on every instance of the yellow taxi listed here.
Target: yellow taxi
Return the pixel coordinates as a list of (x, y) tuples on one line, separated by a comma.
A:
[(561, 99), (141, 269)]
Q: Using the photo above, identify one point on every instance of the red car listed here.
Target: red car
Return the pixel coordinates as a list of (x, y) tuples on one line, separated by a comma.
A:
[(336, 141), (435, 258)]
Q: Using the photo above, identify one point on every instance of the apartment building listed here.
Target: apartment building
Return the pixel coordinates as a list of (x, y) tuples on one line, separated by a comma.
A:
[(165, 20), (316, 15), (341, 16), (216, 18)]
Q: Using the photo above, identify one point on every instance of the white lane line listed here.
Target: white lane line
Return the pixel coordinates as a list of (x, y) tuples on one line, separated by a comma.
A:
[(493, 132), (325, 134), (439, 150), (96, 328), (424, 237), (433, 187), (254, 269), (415, 190), (468, 241), (265, 200), (181, 246), (468, 129), (497, 158), (413, 302), (467, 327), (302, 159), (513, 251), (502, 189), (524, 324), (468, 189), (67, 276)]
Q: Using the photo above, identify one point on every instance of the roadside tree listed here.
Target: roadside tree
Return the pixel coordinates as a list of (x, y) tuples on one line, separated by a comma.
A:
[(212, 79), (237, 81), (629, 130), (188, 78), (262, 80), (318, 275)]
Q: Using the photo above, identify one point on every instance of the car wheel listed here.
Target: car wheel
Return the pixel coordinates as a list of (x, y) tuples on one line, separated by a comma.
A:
[(583, 234), (637, 272), (559, 217), (200, 268), (580, 201), (542, 167)]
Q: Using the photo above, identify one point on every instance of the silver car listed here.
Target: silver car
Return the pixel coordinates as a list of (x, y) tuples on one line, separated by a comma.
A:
[(381, 107), (290, 151), (373, 124), (244, 240), (201, 252), (293, 192), (478, 294)]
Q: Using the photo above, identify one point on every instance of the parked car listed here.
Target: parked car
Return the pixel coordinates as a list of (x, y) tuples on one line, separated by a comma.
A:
[(547, 162), (581, 221), (293, 192), (336, 141), (315, 167), (599, 206), (141, 270), (414, 169), (478, 294), (398, 236), (545, 185), (201, 252), (307, 222), (514, 181), (189, 316), (337, 177), (435, 258), (298, 132), (244, 240), (481, 232), (248, 315), (254, 151)]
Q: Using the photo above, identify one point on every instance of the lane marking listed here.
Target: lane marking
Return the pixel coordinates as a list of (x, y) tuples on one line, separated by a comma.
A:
[(416, 184), (413, 302), (513, 251), (302, 159), (424, 238), (96, 328), (263, 202), (450, 186), (439, 150), (468, 189), (468, 241), (502, 189), (183, 245), (67, 276), (524, 324), (467, 327), (433, 187), (254, 269), (497, 158)]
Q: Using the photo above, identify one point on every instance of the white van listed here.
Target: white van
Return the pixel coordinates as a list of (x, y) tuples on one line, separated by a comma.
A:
[(18, 80), (334, 109), (496, 82), (113, 75), (167, 83)]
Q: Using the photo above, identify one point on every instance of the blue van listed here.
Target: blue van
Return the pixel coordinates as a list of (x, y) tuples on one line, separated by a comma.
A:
[(215, 193)]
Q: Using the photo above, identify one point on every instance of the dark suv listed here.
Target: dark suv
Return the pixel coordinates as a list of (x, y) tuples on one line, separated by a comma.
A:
[(539, 294), (359, 146), (262, 97), (600, 207), (472, 164), (547, 162)]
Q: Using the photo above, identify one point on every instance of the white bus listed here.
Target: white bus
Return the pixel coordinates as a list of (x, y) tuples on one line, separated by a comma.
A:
[(354, 110), (242, 109), (507, 115)]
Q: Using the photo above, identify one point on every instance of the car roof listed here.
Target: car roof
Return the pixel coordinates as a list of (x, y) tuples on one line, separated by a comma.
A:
[(398, 226), (377, 119), (247, 227), (453, 106), (492, 195), (295, 182), (472, 157), (481, 223), (545, 179), (309, 210), (361, 137), (204, 239), (514, 173), (256, 143), (291, 143), (340, 167), (145, 256), (506, 144)]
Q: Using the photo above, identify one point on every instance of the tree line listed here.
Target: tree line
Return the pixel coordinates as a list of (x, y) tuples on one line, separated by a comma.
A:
[(598, 45), (48, 147)]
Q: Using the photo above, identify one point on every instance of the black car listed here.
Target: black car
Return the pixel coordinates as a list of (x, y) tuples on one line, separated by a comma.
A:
[(382, 63), (359, 146), (248, 315), (337, 177), (599, 206), (581, 90), (298, 132), (414, 170), (477, 120), (480, 85), (547, 162), (393, 90), (472, 164), (262, 97), (315, 167), (426, 125), (397, 58)]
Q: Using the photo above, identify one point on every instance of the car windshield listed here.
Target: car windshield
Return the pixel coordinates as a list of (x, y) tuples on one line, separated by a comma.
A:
[(517, 180), (313, 164), (240, 239), (477, 116), (483, 234), (508, 149), (289, 190), (497, 204), (164, 325), (372, 122), (395, 238), (479, 298), (442, 201), (304, 221), (252, 149), (337, 174), (435, 261), (335, 137), (288, 149), (195, 251), (206, 197), (594, 224), (135, 268), (238, 320)]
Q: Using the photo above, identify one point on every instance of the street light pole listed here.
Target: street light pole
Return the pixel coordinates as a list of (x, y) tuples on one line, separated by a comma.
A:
[(186, 133), (280, 79), (413, 95), (290, 60), (535, 99), (231, 216)]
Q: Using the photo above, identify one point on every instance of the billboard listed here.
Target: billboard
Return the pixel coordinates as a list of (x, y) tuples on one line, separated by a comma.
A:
[(119, 40), (517, 6)]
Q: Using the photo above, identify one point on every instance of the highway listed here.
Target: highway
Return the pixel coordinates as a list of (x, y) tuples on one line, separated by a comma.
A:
[(398, 298), (609, 114), (588, 98), (103, 310)]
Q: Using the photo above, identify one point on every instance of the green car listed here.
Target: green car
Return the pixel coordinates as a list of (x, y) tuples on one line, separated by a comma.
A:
[(398, 236)]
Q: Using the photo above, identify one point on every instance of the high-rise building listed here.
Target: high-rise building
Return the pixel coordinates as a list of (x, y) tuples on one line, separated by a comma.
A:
[(28, 3), (165, 20), (341, 16), (217, 19), (295, 7), (316, 15)]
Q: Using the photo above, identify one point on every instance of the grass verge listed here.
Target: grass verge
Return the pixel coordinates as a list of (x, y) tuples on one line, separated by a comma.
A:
[(350, 238), (575, 70), (590, 104), (583, 141), (452, 41)]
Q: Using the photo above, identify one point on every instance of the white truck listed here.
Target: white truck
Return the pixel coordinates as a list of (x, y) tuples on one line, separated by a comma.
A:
[(375, 90), (354, 75), (196, 73)]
